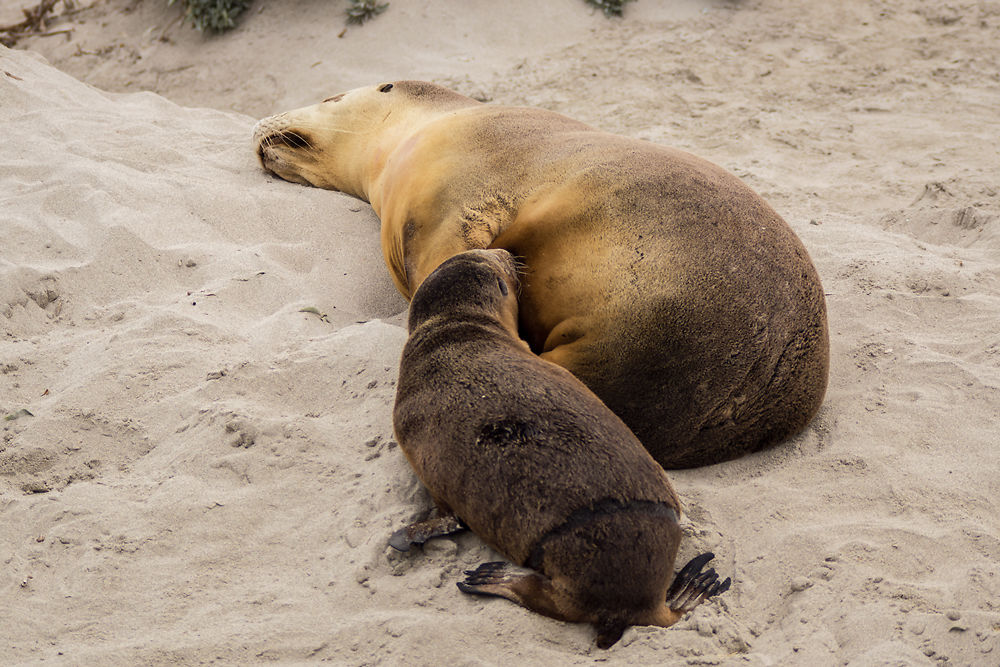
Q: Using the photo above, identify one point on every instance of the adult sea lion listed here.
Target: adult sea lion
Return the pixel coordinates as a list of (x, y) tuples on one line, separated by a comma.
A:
[(659, 279), (528, 458)]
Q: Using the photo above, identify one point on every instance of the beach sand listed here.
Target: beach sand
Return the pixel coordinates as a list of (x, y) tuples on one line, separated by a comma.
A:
[(197, 360)]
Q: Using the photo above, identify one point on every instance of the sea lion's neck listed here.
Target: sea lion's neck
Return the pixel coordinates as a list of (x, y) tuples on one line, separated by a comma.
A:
[(389, 148)]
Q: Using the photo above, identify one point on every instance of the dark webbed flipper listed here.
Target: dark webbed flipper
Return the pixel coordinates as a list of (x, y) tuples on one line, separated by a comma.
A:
[(520, 585), (495, 578), (691, 586), (421, 531)]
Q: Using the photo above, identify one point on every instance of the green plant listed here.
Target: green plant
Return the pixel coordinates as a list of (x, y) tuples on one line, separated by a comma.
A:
[(609, 7), (216, 15), (360, 11)]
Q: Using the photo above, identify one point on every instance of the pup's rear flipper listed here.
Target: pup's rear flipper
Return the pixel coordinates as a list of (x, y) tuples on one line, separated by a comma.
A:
[(525, 587), (691, 586), (421, 531)]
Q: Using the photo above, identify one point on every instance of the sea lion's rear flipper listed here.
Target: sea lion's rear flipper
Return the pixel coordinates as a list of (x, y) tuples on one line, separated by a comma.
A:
[(525, 587), (691, 586), (536, 592), (421, 531)]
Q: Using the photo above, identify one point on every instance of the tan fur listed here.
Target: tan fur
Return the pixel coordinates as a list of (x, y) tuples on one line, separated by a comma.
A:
[(660, 280), (529, 458)]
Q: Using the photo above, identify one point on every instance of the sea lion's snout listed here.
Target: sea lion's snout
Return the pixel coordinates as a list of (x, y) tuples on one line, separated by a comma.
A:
[(272, 148), (275, 132), (490, 264), (263, 128), (282, 149), (484, 280), (506, 267)]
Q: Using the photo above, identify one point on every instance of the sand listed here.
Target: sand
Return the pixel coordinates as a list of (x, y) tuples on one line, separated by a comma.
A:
[(208, 354)]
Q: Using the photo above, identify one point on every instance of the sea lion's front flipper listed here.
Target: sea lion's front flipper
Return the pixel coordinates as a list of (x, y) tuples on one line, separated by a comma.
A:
[(421, 531), (691, 586)]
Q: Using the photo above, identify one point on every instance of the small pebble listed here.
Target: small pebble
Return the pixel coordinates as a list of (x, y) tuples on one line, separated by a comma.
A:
[(800, 584)]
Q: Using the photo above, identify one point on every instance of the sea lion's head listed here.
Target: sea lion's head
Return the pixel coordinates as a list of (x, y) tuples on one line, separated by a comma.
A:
[(474, 281), (343, 142)]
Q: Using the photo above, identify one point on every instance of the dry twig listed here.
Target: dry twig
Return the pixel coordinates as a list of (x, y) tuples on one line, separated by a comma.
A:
[(34, 23)]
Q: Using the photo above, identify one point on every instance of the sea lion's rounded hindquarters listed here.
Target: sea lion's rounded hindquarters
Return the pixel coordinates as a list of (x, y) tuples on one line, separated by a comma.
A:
[(694, 311), (533, 462)]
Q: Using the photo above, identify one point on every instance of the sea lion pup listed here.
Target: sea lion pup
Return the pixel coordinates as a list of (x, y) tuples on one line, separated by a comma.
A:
[(527, 457), (662, 281)]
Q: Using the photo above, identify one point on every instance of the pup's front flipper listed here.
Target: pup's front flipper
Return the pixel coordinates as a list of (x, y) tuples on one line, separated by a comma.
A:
[(421, 531), (691, 586)]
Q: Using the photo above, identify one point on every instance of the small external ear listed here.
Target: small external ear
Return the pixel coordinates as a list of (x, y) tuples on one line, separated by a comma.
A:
[(503, 286), (386, 88)]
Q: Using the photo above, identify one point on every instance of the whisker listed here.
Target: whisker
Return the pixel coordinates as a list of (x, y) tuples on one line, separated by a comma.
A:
[(300, 125), (286, 138), (327, 128), (520, 270)]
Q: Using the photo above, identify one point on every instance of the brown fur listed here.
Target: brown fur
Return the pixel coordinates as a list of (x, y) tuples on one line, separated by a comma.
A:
[(529, 458), (662, 281)]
